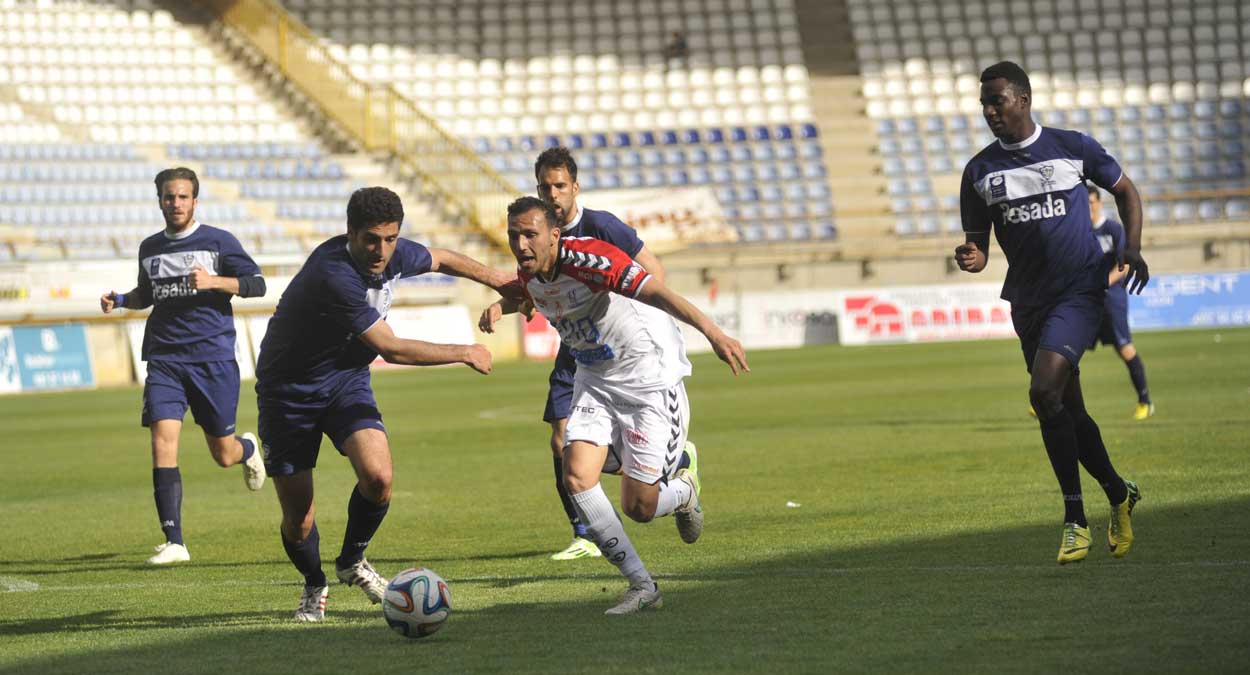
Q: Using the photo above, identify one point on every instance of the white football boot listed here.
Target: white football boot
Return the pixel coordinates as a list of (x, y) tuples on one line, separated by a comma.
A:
[(169, 552), (254, 468), (638, 598), (363, 575), (312, 604)]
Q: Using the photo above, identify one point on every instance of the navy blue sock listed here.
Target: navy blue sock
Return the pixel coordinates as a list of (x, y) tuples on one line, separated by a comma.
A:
[(167, 489), (1137, 372), (249, 448), (306, 557), (363, 519), (1093, 455), (1059, 435), (579, 529)]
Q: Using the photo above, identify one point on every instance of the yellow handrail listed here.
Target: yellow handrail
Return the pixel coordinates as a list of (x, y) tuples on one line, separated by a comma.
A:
[(377, 116)]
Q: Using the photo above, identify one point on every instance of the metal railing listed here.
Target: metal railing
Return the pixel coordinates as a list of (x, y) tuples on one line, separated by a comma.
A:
[(377, 116)]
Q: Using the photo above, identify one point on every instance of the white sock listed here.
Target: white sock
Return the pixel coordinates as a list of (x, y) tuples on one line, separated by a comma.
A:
[(672, 495), (605, 527)]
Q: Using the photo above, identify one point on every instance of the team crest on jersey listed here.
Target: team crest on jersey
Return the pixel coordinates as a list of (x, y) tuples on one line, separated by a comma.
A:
[(998, 186), (188, 258), (1048, 173), (154, 267)]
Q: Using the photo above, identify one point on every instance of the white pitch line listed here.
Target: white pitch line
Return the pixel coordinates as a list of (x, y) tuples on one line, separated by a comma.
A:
[(12, 585)]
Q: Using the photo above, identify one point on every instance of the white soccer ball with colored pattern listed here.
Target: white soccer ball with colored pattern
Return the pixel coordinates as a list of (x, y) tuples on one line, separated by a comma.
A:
[(417, 602)]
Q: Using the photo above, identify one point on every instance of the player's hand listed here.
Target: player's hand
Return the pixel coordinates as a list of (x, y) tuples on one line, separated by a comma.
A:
[(969, 257), (490, 315), (108, 301), (1138, 274), (527, 309), (478, 358), (200, 279), (730, 351)]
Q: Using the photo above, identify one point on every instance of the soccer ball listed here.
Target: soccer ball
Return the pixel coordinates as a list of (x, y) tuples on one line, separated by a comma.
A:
[(417, 602)]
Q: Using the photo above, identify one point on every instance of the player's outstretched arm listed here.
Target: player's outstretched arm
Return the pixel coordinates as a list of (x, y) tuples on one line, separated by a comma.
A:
[(114, 300), (650, 263), (656, 294), (1128, 203), (491, 315), (460, 265), (395, 349)]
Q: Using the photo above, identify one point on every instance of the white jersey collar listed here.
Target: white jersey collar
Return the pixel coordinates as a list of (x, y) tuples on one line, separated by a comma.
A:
[(1100, 221), (195, 225), (1037, 132), (576, 219)]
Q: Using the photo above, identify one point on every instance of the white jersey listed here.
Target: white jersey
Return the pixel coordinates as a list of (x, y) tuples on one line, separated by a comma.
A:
[(619, 343)]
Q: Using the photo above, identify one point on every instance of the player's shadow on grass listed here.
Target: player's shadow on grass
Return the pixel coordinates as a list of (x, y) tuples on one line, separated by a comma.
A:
[(975, 601)]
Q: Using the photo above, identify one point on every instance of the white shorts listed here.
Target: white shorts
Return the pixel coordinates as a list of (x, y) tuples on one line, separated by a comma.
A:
[(647, 431)]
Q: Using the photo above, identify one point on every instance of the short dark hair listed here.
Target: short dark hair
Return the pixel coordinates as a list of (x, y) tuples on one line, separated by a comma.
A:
[(374, 205), (1011, 72), (555, 158), (1093, 190), (524, 205), (178, 173)]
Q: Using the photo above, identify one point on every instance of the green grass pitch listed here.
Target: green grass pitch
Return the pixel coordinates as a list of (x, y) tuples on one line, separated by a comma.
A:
[(868, 509)]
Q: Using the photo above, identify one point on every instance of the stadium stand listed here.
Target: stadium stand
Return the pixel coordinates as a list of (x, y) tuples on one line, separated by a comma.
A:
[(1166, 96), (512, 79)]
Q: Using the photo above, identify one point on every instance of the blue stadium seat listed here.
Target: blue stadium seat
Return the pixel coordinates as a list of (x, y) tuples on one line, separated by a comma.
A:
[(653, 179), (808, 130), (941, 164), (764, 151), (751, 233), (768, 171), (721, 174), (904, 227), (1155, 152), (813, 170), (1186, 172), (678, 177), (527, 143), (726, 195), (503, 144), (668, 137), (957, 123), (551, 141), (760, 133), (1230, 129), (632, 179), (675, 156), (892, 166), (719, 154), (607, 159), (1230, 108), (699, 176), (598, 141), (738, 135), (587, 179), (741, 153), (1156, 133), (920, 186), (811, 151), (481, 146), (897, 187), (587, 161), (575, 142), (629, 158), (783, 132), (621, 139), (652, 157), (889, 146), (698, 156), (1232, 149), (905, 126), (1183, 151), (928, 224), (1129, 114), (744, 173), (749, 210), (935, 144), (900, 205), (749, 194), (1183, 210), (914, 164), (609, 181), (818, 190), (1209, 209), (1134, 153), (825, 229), (1155, 113), (800, 231), (911, 145), (691, 136), (1234, 169), (1204, 130), (771, 192), (1205, 110), (1079, 119), (646, 138), (1104, 115), (1237, 208), (789, 170), (934, 124)]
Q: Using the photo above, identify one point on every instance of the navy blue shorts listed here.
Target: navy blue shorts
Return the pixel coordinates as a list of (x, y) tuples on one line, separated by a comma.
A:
[(209, 388), (1114, 329), (1066, 327), (560, 387), (291, 429)]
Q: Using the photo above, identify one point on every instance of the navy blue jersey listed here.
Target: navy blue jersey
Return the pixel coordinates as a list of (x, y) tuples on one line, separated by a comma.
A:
[(312, 342), (1033, 195), (188, 325), (1110, 236), (604, 226)]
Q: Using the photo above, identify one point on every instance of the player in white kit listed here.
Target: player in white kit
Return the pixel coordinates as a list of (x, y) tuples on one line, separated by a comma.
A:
[(628, 394)]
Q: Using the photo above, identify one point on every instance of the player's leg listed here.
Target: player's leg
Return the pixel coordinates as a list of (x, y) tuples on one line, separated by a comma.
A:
[(1051, 371), (1122, 495), (556, 413), (355, 426), (164, 405), (653, 448), (1137, 374), (370, 500), (302, 542), (213, 394), (583, 465)]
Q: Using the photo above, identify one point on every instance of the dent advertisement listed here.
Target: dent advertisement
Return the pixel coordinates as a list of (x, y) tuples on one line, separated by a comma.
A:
[(1192, 301), (34, 358)]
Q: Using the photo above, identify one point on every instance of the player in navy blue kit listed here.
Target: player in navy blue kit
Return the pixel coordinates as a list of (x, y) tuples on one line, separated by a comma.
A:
[(313, 379), (1114, 329), (1029, 188), (187, 273), (555, 170)]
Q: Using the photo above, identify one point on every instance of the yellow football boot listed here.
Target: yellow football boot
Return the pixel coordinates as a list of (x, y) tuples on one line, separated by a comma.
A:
[(1074, 544), (1120, 529)]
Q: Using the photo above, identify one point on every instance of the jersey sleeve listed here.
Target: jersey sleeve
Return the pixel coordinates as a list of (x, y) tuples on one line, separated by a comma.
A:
[(345, 304), (620, 235), (973, 212), (412, 258), (234, 261), (602, 266), (1100, 166)]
